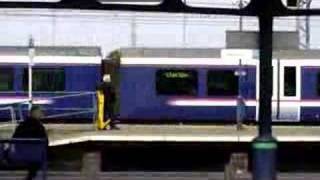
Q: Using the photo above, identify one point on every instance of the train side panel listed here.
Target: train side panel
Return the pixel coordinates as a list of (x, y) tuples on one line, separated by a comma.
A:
[(77, 79), (140, 101), (310, 94)]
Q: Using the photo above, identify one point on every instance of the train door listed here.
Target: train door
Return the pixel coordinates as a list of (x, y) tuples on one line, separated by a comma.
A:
[(286, 91)]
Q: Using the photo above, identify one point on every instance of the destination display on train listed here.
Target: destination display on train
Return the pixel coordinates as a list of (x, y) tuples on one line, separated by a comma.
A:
[(175, 74)]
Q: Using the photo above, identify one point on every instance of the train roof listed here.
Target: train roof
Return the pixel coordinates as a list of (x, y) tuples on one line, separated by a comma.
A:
[(51, 51), (170, 52), (209, 53), (73, 55)]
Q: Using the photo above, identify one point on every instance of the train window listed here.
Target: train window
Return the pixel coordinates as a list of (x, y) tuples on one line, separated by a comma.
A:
[(45, 79), (318, 84), (176, 82), (290, 81), (222, 83), (6, 79)]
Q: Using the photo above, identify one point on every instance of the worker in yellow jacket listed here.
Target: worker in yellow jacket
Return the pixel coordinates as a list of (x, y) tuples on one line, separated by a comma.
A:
[(106, 101)]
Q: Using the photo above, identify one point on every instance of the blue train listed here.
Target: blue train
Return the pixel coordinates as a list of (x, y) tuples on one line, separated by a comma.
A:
[(161, 84), (64, 81), (205, 84)]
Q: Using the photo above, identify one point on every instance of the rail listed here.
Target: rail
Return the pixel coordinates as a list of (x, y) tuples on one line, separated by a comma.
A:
[(17, 108), (13, 115), (80, 111)]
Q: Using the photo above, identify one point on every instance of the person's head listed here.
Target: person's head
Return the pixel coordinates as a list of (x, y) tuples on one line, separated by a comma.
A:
[(106, 78), (36, 112)]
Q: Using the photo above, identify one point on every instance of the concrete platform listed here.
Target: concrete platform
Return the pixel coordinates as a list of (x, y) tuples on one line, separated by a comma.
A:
[(62, 134)]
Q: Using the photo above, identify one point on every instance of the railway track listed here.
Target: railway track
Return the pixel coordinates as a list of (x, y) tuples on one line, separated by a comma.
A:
[(152, 176)]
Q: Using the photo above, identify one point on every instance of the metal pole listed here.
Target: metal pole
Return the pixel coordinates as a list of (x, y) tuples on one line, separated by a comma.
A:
[(30, 64), (133, 30), (240, 100), (30, 85), (265, 146), (241, 19), (265, 91), (184, 39), (308, 5), (278, 89)]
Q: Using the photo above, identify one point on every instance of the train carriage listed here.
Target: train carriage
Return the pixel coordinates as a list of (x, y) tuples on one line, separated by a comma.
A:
[(63, 81), (206, 84)]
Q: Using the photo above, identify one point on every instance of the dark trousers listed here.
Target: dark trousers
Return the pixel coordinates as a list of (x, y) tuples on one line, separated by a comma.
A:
[(32, 171), (109, 114)]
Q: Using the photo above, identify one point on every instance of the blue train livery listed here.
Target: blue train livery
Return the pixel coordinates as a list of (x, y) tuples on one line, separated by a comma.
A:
[(207, 84), (64, 80)]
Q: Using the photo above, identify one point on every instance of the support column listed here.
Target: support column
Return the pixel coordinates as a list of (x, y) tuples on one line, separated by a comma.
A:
[(265, 146)]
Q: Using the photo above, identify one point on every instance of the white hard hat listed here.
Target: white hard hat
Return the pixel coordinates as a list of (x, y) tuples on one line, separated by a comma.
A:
[(106, 78)]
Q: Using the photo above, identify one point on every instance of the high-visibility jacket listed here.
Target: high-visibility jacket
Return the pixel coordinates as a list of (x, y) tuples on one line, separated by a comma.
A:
[(100, 110), (105, 104)]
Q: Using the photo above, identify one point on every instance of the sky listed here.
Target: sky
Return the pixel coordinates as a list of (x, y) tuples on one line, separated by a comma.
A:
[(112, 30)]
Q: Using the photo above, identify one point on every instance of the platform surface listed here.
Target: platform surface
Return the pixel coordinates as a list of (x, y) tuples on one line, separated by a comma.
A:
[(62, 134)]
